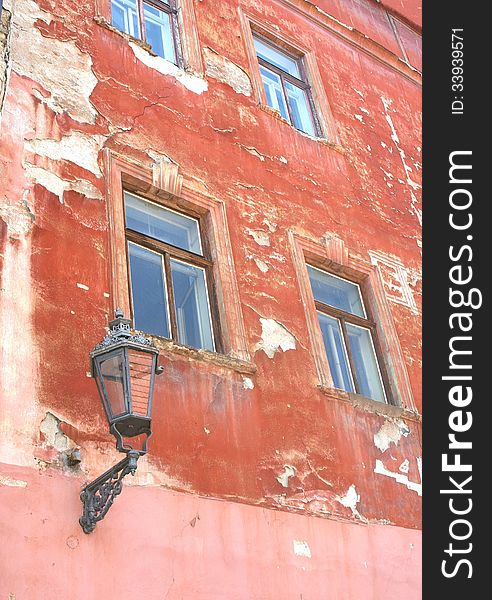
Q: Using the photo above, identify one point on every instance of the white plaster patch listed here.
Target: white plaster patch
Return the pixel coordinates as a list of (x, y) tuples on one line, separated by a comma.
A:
[(224, 70), (412, 185), (350, 500), (206, 430), (58, 186), (283, 478), (390, 433), (274, 337), (60, 67), (9, 482), (260, 237), (191, 82), (18, 217), (301, 548), (359, 118), (380, 469), (82, 286), (76, 147), (405, 466), (248, 383), (50, 427), (261, 265)]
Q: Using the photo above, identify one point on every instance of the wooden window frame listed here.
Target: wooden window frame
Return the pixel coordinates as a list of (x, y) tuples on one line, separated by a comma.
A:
[(332, 255), (303, 83), (368, 323), (163, 182), (186, 38), (168, 252), (171, 10), (252, 25)]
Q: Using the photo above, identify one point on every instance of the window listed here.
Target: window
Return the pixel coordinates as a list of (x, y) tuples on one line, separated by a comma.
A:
[(153, 21), (348, 335), (169, 274), (286, 88)]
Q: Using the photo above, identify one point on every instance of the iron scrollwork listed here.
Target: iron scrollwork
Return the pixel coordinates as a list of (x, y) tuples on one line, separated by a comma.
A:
[(98, 496)]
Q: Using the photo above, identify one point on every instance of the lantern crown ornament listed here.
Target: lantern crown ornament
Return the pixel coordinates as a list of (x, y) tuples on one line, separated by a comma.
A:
[(124, 365)]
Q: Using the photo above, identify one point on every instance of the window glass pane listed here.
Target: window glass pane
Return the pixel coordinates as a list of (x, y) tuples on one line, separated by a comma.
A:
[(192, 310), (365, 362), (274, 92), (112, 373), (162, 224), (159, 32), (149, 296), (336, 292), (124, 16), (336, 353), (140, 365), (276, 57), (300, 109)]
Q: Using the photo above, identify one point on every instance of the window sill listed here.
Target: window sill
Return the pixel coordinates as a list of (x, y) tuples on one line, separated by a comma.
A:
[(221, 360), (103, 22), (192, 80), (322, 140), (370, 406)]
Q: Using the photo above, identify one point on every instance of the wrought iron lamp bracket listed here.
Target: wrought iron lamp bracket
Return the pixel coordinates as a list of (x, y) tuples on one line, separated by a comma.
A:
[(98, 496)]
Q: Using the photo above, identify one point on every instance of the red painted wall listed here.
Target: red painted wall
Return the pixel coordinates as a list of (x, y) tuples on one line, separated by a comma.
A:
[(76, 88)]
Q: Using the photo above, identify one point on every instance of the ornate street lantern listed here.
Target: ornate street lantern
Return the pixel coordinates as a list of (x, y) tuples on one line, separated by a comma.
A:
[(124, 366)]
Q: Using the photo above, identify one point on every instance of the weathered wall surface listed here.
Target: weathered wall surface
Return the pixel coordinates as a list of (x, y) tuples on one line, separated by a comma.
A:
[(269, 437)]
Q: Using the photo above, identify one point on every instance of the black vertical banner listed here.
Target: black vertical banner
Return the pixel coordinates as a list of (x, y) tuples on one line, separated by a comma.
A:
[(457, 252)]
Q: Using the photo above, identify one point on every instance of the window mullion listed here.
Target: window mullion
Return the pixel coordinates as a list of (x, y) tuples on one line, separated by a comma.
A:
[(287, 100), (170, 294), (141, 18), (350, 357)]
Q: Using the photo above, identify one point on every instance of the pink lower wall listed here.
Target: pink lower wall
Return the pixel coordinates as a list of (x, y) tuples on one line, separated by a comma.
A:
[(156, 544)]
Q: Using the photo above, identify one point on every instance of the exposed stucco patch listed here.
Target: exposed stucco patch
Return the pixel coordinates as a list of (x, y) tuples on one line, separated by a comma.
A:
[(301, 548), (18, 217), (9, 482), (59, 66), (78, 148), (380, 469), (283, 478), (274, 337), (350, 500), (390, 433), (191, 82), (58, 186), (260, 237), (221, 68)]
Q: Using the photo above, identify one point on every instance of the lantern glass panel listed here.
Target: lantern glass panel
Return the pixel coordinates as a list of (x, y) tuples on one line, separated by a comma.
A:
[(112, 371), (141, 365)]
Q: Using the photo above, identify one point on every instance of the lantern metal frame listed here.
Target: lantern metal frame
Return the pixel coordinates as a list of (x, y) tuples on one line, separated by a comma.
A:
[(98, 496)]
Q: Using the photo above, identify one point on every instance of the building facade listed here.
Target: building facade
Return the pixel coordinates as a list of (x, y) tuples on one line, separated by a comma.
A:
[(242, 178)]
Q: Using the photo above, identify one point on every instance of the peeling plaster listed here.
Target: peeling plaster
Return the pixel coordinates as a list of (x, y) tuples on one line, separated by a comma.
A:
[(222, 69), (76, 147), (54, 436), (58, 186), (60, 67), (261, 265), (274, 337), (380, 469), (412, 185), (18, 217), (350, 500), (191, 82), (248, 383), (301, 548), (390, 433), (9, 482), (283, 478), (260, 237)]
